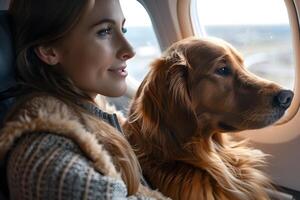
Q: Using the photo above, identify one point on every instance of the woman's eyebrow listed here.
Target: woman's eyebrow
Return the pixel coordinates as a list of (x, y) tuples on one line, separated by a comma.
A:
[(107, 20)]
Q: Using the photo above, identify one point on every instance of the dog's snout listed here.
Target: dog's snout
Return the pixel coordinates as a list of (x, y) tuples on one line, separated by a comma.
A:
[(283, 99)]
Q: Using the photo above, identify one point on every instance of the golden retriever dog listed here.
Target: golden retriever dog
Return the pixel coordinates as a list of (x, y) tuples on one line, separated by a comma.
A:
[(196, 92)]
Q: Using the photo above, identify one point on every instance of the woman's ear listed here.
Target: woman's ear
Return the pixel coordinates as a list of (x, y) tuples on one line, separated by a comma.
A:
[(47, 54)]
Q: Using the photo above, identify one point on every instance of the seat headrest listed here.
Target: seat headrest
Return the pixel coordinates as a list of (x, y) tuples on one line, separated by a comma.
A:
[(7, 66), (7, 57)]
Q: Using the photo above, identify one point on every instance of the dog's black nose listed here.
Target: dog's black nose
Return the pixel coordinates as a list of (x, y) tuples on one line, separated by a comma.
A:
[(284, 98)]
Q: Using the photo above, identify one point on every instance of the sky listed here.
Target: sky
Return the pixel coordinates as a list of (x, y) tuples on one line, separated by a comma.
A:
[(212, 12), (242, 12), (135, 13)]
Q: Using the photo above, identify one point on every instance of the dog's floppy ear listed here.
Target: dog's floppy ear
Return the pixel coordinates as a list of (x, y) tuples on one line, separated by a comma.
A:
[(181, 115), (162, 102), (149, 103)]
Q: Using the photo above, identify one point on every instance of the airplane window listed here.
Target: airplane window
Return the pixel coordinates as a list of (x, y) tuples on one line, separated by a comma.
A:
[(140, 34), (258, 29)]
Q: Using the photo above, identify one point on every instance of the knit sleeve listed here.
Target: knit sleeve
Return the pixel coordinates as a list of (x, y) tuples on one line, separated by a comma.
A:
[(47, 166)]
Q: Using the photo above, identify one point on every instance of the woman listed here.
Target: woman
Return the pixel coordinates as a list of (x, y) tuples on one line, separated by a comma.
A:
[(56, 142)]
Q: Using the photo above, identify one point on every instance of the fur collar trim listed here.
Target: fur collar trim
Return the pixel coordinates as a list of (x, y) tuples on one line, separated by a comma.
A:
[(46, 113)]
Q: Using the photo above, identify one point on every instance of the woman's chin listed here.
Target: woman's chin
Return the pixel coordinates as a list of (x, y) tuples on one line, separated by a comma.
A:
[(118, 91)]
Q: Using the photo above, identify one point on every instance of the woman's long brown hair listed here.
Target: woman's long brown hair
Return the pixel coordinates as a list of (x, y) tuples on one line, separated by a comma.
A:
[(37, 22)]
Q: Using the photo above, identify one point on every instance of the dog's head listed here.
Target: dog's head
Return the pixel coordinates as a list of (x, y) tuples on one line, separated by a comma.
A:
[(202, 84)]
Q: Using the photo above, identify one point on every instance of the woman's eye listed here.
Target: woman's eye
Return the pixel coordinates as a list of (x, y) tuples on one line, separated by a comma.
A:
[(223, 71), (105, 32), (124, 30)]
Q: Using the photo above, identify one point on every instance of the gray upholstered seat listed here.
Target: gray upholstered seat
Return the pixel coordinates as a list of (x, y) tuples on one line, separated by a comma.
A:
[(7, 78), (7, 82), (7, 69)]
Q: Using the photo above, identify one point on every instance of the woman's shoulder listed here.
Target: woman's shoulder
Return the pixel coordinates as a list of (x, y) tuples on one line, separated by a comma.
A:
[(43, 147), (43, 142), (47, 166), (50, 166), (36, 114), (47, 114)]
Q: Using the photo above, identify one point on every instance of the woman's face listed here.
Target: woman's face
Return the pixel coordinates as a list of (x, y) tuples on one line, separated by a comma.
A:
[(95, 52)]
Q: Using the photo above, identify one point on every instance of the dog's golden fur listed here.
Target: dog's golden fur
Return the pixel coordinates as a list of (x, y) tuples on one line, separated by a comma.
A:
[(195, 92)]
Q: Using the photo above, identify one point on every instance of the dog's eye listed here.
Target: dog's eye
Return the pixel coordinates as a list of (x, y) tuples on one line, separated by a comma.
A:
[(223, 71)]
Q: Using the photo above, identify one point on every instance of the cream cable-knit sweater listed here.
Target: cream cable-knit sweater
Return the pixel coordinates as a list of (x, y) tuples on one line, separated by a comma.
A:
[(64, 165)]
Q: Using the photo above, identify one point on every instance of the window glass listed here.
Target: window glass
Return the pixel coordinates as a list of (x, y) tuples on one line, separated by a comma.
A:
[(257, 28), (140, 34)]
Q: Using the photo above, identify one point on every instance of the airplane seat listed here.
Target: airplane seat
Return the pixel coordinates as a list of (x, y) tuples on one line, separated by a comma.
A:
[(7, 67), (7, 83)]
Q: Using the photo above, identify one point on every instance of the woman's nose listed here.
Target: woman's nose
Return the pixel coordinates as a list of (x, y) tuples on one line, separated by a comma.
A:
[(126, 51), (127, 54)]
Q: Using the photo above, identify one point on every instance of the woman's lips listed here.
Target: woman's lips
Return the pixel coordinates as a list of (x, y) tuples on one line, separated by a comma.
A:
[(121, 71)]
